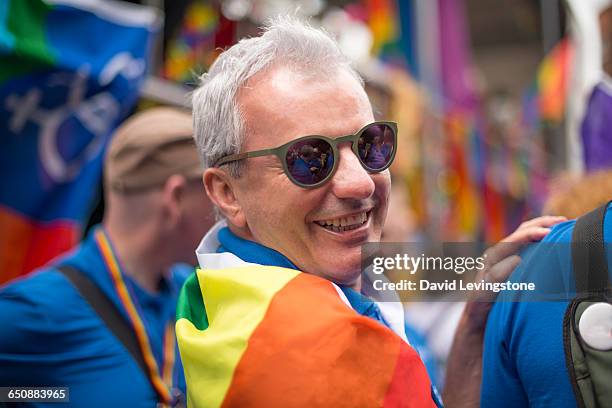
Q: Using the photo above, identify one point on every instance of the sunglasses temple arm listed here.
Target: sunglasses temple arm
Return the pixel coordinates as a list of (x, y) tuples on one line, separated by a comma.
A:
[(241, 156)]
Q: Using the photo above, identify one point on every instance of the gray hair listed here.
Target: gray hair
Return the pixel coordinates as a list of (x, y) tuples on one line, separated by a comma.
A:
[(219, 127)]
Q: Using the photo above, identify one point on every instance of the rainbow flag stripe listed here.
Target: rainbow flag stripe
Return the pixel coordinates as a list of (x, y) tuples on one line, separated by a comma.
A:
[(113, 268), (552, 81), (259, 336)]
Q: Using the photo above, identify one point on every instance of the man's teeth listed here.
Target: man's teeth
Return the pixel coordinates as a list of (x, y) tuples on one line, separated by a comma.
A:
[(346, 223)]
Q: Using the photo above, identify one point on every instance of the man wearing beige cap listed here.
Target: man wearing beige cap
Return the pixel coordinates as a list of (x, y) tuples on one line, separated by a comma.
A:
[(100, 320)]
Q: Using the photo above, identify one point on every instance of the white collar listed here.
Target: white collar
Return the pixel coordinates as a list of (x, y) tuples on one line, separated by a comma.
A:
[(207, 255), (210, 242)]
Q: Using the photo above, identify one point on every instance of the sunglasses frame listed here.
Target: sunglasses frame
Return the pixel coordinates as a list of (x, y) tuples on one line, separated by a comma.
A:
[(281, 153)]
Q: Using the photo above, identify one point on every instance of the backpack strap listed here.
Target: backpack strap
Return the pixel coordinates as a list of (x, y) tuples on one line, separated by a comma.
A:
[(109, 314), (589, 253)]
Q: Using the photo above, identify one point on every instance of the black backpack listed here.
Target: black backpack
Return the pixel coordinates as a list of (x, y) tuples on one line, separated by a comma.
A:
[(589, 315)]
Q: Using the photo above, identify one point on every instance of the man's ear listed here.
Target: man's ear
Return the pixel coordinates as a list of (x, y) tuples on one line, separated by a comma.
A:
[(173, 195), (220, 190)]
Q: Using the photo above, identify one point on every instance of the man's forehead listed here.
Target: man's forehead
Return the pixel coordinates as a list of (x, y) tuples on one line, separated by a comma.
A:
[(290, 104), (287, 79)]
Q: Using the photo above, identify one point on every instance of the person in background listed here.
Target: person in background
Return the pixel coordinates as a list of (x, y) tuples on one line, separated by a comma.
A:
[(596, 126), (524, 361), (575, 196), (155, 214)]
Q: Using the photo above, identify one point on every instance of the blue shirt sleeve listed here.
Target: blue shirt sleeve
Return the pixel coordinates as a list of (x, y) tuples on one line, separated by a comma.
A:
[(501, 386), (27, 325)]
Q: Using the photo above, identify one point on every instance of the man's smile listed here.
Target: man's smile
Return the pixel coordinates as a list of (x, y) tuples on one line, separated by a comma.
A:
[(345, 223)]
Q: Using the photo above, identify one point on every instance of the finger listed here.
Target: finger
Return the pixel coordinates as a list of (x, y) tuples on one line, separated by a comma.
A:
[(545, 221), (501, 271), (512, 244), (501, 251), (526, 235), (523, 235)]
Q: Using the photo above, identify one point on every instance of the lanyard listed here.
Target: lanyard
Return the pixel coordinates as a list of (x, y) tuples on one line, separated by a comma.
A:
[(163, 382)]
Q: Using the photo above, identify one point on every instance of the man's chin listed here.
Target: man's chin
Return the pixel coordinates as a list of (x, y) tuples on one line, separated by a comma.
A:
[(341, 275)]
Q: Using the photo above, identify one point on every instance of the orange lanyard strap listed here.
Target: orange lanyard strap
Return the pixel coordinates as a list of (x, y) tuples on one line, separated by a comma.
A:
[(168, 360), (160, 383)]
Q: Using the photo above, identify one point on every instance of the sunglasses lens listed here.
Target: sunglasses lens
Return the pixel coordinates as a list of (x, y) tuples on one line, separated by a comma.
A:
[(310, 160), (376, 145)]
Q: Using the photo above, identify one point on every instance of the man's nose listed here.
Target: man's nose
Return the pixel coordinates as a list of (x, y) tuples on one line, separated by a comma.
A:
[(351, 179)]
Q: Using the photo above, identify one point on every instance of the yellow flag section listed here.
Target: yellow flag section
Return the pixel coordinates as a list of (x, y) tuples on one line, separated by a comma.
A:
[(265, 336)]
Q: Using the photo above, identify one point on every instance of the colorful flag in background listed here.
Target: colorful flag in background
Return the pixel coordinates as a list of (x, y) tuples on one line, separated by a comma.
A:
[(382, 20), (545, 100), (193, 50), (69, 73), (543, 114)]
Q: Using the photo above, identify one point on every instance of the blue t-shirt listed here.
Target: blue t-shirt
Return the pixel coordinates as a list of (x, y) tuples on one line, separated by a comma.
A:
[(50, 335), (524, 360)]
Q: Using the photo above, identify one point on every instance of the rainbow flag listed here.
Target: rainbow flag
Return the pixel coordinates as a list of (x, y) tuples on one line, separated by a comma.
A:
[(382, 20), (265, 336), (544, 102), (553, 80), (543, 111), (69, 73)]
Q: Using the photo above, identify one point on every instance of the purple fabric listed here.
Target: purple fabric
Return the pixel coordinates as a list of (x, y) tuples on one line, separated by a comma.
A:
[(596, 129), (455, 55)]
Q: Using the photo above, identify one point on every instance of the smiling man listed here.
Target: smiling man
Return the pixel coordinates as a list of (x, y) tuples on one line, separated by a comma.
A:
[(310, 226), (297, 167)]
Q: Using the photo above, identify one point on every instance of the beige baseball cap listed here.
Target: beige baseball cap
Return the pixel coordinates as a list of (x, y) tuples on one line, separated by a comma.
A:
[(148, 148)]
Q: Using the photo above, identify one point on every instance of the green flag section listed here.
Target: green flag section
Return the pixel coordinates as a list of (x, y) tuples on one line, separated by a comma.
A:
[(22, 33), (269, 336)]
